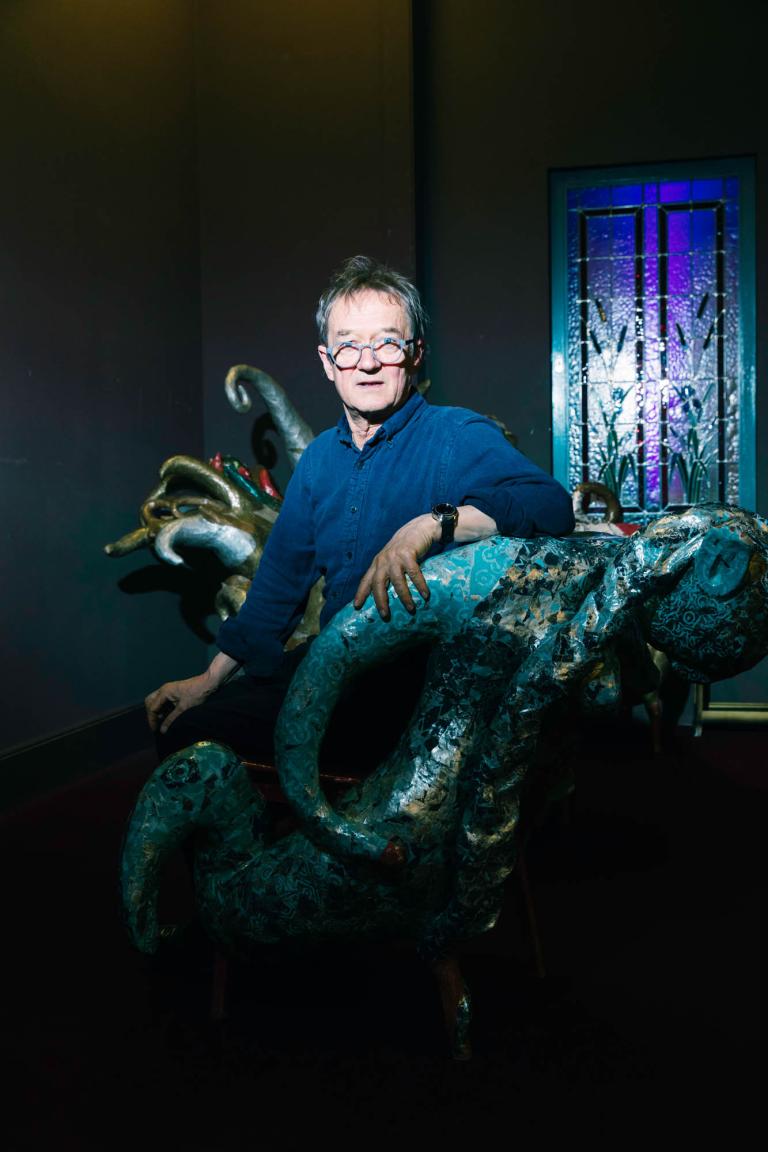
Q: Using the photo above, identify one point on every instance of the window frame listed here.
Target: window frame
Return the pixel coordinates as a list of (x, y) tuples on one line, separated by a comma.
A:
[(561, 182)]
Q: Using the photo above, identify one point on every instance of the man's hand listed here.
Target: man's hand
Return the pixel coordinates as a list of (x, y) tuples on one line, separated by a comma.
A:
[(175, 697), (169, 701), (407, 547), (400, 558)]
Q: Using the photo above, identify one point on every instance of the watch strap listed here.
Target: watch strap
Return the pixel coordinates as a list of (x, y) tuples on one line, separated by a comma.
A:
[(446, 515)]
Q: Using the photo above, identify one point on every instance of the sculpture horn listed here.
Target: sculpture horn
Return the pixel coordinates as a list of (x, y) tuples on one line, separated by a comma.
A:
[(128, 543), (295, 431), (202, 475), (582, 497), (232, 545)]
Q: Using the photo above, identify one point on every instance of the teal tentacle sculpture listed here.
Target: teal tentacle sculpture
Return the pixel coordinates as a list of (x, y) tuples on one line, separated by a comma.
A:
[(522, 632)]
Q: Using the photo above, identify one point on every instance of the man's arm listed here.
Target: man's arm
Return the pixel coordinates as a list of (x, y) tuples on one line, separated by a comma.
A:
[(402, 555), (488, 473), (169, 701), (496, 489)]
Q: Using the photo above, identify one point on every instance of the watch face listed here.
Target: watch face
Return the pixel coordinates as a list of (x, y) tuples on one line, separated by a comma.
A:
[(441, 510)]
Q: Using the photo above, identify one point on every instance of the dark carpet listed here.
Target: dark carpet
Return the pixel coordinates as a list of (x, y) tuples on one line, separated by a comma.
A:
[(650, 889)]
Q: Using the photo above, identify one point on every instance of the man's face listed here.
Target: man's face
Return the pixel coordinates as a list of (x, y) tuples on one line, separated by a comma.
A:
[(371, 391)]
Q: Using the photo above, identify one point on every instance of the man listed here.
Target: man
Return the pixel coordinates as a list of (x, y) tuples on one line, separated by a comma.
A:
[(395, 481)]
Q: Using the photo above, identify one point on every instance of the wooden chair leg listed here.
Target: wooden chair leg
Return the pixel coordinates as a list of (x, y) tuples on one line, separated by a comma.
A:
[(219, 987), (533, 927), (457, 1012), (653, 710)]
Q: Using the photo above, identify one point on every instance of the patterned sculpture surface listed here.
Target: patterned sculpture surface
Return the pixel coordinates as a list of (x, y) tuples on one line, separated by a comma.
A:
[(523, 630)]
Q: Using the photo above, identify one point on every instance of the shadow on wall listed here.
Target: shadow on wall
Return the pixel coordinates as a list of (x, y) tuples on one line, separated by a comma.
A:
[(195, 585)]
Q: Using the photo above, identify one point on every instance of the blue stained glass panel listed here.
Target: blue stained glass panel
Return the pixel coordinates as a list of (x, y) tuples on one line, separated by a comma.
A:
[(599, 197), (707, 190), (678, 277), (653, 340), (623, 236), (627, 195), (703, 225), (676, 192), (678, 232)]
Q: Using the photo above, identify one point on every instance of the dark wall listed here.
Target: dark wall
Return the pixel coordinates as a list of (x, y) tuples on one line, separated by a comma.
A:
[(179, 180), (305, 159), (115, 225), (507, 92), (99, 356)]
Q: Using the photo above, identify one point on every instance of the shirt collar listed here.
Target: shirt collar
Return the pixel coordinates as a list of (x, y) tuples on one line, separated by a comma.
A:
[(413, 407)]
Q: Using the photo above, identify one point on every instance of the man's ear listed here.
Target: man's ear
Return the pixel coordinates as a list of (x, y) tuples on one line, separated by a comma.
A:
[(322, 352), (418, 353)]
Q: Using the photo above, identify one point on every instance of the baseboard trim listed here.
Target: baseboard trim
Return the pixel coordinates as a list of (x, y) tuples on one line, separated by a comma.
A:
[(36, 769), (730, 713)]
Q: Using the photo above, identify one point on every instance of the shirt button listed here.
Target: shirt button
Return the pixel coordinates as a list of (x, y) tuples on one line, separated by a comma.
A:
[(353, 508), (349, 555)]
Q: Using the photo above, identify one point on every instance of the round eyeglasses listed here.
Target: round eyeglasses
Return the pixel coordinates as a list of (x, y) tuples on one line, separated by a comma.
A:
[(388, 350)]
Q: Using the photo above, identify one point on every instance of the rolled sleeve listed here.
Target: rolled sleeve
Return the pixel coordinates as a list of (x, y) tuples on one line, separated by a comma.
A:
[(500, 481)]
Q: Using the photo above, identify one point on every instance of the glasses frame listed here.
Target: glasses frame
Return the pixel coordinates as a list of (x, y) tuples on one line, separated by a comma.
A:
[(403, 345)]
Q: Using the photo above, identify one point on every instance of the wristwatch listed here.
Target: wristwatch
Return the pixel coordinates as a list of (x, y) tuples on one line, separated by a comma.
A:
[(446, 516)]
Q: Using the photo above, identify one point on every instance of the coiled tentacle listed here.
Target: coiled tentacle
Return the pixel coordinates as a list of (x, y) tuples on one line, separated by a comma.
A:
[(204, 786), (295, 431)]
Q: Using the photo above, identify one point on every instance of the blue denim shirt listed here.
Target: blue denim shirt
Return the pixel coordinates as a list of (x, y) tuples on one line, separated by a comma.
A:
[(343, 504)]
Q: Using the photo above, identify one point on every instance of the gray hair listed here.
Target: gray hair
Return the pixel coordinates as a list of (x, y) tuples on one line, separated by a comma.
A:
[(363, 274)]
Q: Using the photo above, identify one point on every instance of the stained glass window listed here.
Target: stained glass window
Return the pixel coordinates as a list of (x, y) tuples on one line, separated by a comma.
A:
[(653, 334)]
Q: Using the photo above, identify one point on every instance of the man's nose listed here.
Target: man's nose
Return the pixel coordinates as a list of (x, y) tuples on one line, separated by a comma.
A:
[(367, 361)]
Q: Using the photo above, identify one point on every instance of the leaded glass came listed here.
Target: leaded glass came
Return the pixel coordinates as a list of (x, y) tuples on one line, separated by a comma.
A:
[(653, 342)]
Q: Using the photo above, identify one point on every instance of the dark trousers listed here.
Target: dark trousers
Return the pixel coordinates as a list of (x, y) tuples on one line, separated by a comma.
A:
[(366, 725)]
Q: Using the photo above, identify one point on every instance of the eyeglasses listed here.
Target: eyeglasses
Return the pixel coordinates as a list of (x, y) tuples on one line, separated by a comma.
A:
[(388, 350)]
